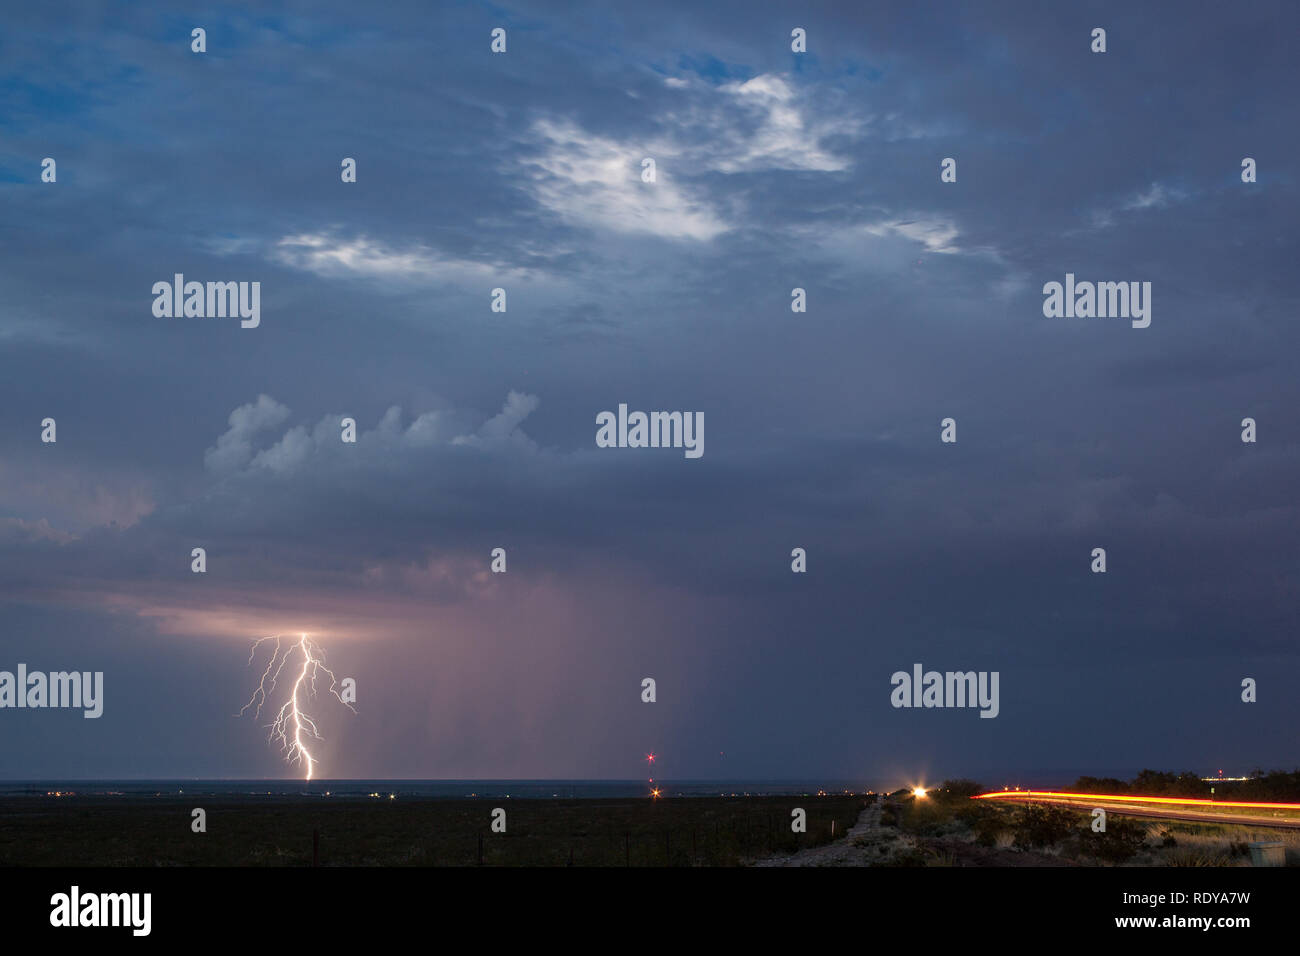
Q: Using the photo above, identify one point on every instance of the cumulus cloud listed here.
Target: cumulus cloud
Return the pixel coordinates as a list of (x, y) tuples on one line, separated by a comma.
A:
[(299, 445), (503, 428), (234, 448)]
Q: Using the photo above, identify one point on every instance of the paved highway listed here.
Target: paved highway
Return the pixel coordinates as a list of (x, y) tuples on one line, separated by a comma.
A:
[(1172, 813)]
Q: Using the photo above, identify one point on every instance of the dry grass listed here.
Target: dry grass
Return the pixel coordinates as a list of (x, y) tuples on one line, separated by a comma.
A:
[(1213, 844), (144, 831)]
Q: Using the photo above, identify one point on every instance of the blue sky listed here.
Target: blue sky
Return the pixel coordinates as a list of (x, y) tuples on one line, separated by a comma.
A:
[(775, 171)]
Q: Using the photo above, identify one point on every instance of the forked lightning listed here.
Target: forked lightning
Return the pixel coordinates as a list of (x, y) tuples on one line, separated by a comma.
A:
[(291, 722)]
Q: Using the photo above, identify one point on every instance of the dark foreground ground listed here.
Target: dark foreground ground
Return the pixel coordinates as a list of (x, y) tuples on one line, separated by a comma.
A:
[(156, 831)]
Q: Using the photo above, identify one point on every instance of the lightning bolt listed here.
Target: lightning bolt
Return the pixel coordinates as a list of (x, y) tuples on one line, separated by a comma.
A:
[(291, 722)]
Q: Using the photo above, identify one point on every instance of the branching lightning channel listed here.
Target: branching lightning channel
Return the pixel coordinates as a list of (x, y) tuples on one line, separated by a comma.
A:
[(292, 725)]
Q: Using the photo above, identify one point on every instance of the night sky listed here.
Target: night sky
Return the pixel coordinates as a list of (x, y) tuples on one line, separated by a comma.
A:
[(775, 170)]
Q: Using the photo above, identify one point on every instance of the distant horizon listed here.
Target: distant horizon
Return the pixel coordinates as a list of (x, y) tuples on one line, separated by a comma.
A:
[(1121, 773)]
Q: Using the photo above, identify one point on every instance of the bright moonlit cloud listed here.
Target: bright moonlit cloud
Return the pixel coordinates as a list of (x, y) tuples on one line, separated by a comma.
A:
[(784, 139), (595, 181), (332, 256), (1155, 196), (936, 235)]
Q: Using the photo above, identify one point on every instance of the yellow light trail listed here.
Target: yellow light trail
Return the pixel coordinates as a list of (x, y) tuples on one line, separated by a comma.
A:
[(1129, 798), (292, 721)]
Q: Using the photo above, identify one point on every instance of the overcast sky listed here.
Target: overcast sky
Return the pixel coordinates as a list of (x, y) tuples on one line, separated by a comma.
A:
[(775, 170)]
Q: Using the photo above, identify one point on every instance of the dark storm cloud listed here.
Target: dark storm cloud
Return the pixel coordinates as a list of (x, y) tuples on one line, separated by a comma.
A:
[(775, 171)]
